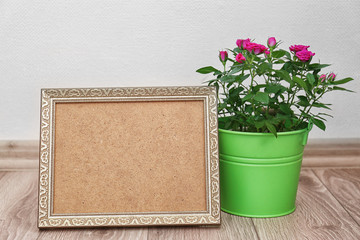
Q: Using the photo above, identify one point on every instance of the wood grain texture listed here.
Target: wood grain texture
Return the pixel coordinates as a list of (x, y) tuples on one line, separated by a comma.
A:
[(95, 234), (19, 149), (19, 155), (18, 208), (318, 216), (232, 227), (18, 164), (180, 233), (332, 153), (344, 184)]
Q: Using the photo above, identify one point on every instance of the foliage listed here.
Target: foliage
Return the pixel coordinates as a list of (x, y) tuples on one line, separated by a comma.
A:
[(268, 89)]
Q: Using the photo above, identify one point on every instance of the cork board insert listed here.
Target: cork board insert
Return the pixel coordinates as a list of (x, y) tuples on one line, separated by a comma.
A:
[(129, 157)]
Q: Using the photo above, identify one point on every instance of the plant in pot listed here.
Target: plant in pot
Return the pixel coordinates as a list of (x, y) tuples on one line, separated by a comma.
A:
[(268, 100)]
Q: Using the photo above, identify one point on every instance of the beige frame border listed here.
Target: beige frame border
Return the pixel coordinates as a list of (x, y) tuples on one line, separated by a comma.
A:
[(46, 219)]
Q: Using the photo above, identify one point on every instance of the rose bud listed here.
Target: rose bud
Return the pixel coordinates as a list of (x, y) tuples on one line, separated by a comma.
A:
[(271, 42), (322, 77), (240, 58), (267, 53), (223, 56), (332, 76), (298, 48)]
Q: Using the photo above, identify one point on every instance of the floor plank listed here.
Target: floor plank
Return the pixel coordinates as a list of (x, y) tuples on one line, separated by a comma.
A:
[(235, 227), (2, 174), (232, 227), (179, 233), (95, 234), (318, 216), (344, 184), (18, 205)]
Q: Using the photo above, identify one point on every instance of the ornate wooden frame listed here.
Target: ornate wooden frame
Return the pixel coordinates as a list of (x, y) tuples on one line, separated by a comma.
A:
[(49, 97)]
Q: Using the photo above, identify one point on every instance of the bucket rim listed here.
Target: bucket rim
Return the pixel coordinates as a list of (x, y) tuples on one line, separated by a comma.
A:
[(264, 134)]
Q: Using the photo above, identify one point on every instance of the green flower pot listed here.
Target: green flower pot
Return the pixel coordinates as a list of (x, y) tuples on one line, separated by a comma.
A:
[(259, 173)]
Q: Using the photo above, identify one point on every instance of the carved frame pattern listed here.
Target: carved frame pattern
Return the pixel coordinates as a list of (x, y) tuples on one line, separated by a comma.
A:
[(48, 98)]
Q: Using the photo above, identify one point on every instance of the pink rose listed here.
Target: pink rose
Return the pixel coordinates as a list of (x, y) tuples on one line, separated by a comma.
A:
[(263, 48), (271, 42), (240, 58), (249, 46), (266, 53), (298, 48), (241, 43), (245, 43), (322, 77), (304, 55), (332, 76), (257, 48), (223, 56)]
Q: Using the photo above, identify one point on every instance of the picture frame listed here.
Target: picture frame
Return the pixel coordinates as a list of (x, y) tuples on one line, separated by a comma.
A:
[(143, 156)]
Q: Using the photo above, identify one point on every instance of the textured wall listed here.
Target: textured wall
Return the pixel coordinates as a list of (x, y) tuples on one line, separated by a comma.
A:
[(157, 42)]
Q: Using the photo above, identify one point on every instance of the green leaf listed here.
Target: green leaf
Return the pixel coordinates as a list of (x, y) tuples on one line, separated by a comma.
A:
[(320, 105), (325, 114), (303, 98), (248, 109), (236, 69), (278, 53), (234, 92), (285, 108), (271, 128), (262, 97), (206, 70), (288, 123), (287, 67), (273, 88), (303, 101), (300, 82), (310, 78), (279, 61), (259, 124), (341, 89), (248, 96), (228, 79), (342, 81), (263, 68), (319, 123), (258, 87), (284, 75), (316, 66), (241, 78), (222, 105), (227, 124), (303, 104)]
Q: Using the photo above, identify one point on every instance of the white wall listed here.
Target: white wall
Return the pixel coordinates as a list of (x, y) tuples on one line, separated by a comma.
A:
[(96, 43)]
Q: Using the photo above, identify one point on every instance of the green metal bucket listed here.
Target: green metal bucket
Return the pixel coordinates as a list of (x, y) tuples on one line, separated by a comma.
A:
[(259, 173)]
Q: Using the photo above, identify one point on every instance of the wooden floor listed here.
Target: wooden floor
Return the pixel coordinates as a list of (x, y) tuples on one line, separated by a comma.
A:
[(328, 202), (328, 207)]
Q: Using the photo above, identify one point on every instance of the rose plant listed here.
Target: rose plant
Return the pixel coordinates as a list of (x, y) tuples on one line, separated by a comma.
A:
[(268, 89)]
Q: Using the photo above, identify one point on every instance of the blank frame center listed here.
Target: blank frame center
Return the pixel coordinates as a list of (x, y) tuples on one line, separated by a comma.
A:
[(129, 156)]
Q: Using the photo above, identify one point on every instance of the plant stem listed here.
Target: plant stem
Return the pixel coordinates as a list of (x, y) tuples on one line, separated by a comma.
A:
[(302, 116)]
